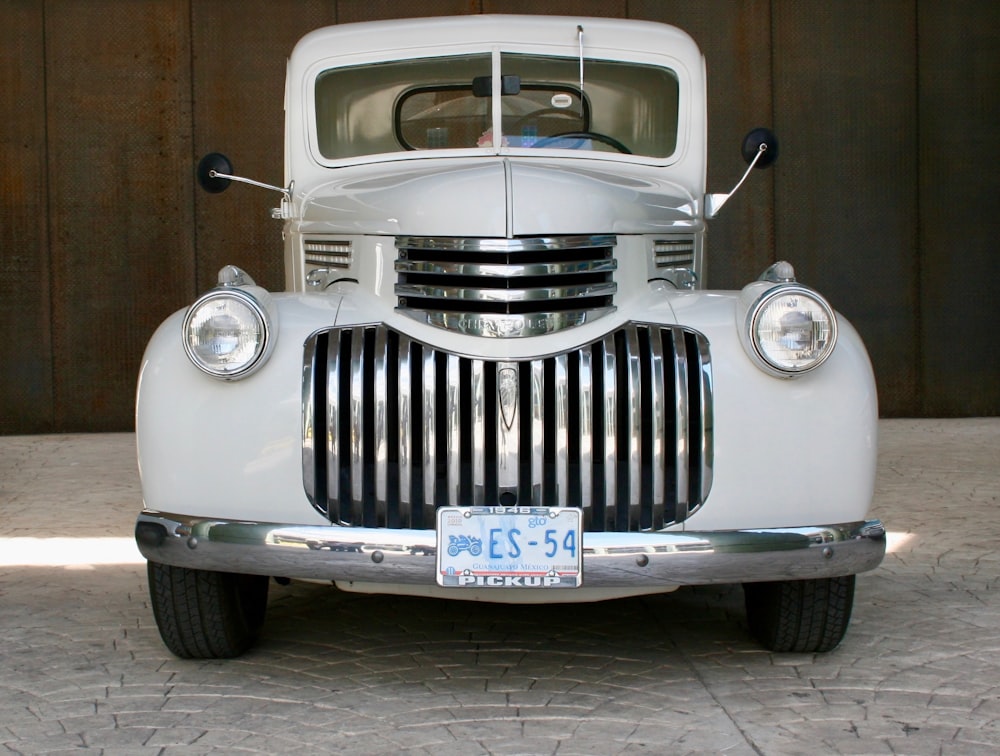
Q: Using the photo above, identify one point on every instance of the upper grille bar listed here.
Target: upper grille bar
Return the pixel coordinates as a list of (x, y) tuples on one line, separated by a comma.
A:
[(394, 429), (505, 288)]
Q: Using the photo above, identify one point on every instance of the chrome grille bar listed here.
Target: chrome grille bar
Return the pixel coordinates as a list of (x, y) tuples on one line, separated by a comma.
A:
[(357, 447), (681, 422), (633, 422), (621, 427), (333, 416), (405, 439), (453, 462), (561, 430), (508, 430), (506, 288), (536, 435), (382, 425), (429, 437), (478, 392), (658, 429), (610, 434)]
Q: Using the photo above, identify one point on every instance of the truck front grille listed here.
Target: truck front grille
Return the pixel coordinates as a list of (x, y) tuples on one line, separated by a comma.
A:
[(505, 288), (394, 429)]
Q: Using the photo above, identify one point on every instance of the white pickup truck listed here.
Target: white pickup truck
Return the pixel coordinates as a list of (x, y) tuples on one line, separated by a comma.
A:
[(496, 372)]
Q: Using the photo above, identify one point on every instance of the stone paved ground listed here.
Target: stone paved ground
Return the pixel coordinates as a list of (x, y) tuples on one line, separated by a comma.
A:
[(81, 665)]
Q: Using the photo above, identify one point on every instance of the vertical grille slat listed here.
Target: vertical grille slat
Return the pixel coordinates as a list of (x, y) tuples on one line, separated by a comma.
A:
[(658, 406), (681, 409), (536, 402), (356, 450), (632, 401), (404, 440), (586, 419), (610, 431), (478, 408), (394, 429), (333, 452), (428, 389), (382, 424), (453, 418), (561, 411)]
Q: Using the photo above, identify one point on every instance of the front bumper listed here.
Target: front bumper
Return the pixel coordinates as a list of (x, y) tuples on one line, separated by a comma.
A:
[(610, 560)]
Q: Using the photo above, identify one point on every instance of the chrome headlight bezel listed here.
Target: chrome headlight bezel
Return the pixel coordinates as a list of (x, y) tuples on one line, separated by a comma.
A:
[(764, 348), (251, 334)]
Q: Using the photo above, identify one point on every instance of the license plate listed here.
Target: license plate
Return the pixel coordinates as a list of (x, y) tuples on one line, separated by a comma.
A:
[(509, 547)]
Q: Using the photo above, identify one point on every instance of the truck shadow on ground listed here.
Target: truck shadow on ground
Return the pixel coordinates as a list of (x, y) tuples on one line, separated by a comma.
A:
[(395, 634)]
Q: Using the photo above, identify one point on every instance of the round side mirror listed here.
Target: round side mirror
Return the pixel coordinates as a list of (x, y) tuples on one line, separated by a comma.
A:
[(752, 143), (210, 165)]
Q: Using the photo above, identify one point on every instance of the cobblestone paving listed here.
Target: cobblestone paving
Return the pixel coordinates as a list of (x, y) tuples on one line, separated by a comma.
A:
[(82, 666)]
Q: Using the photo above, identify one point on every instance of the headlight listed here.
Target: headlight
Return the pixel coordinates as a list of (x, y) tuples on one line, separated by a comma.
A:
[(227, 333), (791, 330)]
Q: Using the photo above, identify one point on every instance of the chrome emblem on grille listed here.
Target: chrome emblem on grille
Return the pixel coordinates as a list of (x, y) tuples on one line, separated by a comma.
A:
[(507, 394)]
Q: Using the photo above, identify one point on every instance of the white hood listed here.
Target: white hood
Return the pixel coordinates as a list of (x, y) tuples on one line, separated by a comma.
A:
[(498, 197)]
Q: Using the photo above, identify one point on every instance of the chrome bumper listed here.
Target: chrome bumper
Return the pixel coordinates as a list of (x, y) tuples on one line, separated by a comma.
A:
[(371, 555)]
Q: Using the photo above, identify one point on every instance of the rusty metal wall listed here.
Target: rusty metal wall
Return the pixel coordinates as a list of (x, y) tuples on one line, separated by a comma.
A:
[(884, 196)]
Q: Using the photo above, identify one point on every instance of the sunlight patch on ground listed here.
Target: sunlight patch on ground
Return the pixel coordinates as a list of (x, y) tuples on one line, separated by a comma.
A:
[(79, 553), (896, 541)]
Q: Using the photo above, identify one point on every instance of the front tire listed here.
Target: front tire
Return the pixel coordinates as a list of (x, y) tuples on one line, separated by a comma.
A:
[(801, 616), (206, 615)]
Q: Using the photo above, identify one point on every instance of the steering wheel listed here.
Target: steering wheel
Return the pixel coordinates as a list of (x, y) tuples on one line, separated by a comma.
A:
[(604, 138), (543, 112)]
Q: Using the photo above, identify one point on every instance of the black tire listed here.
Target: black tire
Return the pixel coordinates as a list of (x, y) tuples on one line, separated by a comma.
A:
[(802, 616), (206, 615)]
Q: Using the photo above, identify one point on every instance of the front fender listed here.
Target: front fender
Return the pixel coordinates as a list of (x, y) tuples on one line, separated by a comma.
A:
[(227, 448), (787, 450)]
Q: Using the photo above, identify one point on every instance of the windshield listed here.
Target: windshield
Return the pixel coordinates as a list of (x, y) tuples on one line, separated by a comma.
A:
[(447, 103)]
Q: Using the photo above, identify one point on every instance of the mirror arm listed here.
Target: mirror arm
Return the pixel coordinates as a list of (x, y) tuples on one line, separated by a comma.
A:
[(287, 191), (714, 202)]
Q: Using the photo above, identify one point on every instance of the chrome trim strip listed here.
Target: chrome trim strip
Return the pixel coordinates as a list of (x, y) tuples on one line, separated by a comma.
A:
[(504, 296), (381, 555), (506, 270), (462, 244), (506, 325)]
